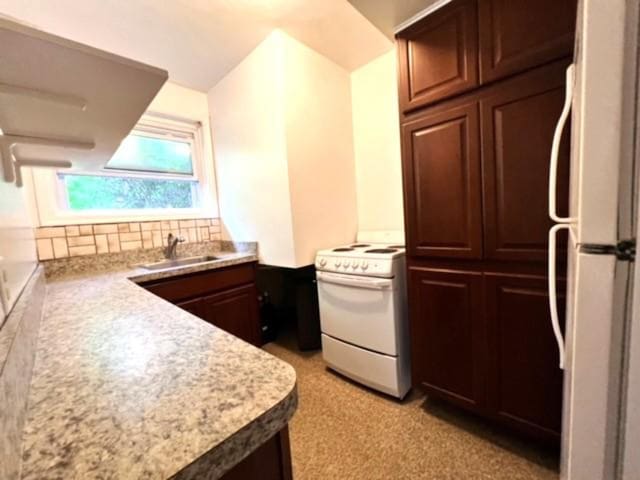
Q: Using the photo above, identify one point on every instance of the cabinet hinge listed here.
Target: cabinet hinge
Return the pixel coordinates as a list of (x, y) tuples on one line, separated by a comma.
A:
[(626, 250)]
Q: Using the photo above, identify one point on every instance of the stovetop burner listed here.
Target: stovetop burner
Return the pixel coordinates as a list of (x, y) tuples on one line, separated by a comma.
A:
[(381, 250), (396, 246), (360, 245), (343, 249)]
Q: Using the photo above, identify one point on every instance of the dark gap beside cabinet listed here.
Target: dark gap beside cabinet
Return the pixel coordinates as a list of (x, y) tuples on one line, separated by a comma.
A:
[(294, 297), (476, 139)]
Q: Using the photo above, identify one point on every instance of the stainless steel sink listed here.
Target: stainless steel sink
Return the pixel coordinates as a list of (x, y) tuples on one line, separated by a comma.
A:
[(179, 262)]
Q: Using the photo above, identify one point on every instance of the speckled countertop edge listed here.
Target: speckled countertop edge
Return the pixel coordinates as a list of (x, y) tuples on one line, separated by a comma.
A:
[(18, 339), (225, 259), (122, 390)]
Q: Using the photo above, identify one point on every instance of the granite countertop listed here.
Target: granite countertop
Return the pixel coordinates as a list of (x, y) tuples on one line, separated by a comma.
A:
[(126, 385)]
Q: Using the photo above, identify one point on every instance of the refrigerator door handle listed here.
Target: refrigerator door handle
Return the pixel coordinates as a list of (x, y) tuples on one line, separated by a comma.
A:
[(555, 148), (553, 300)]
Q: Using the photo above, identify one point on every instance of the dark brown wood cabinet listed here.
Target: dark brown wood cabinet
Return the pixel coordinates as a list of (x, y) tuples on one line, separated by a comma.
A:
[(192, 306), (271, 461), (476, 170), (439, 56), (469, 43), (225, 297), (525, 383), (518, 118), (475, 157), (446, 338), (235, 311), (482, 340), (516, 35), (442, 183)]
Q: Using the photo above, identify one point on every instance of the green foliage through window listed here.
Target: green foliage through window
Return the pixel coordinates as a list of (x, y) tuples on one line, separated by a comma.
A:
[(94, 192)]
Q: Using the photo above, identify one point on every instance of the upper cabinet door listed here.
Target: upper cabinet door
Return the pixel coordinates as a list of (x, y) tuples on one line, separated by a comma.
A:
[(441, 157), (518, 118), (516, 35), (438, 56)]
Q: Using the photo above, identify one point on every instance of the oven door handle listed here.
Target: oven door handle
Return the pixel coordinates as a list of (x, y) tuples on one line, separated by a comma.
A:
[(353, 281)]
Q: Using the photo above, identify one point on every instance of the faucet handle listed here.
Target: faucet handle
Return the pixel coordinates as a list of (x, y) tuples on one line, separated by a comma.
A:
[(177, 238)]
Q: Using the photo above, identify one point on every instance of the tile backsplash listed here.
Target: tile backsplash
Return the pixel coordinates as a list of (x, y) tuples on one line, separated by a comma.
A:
[(76, 240)]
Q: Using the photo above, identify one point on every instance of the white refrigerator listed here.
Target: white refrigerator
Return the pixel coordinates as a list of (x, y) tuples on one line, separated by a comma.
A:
[(594, 347)]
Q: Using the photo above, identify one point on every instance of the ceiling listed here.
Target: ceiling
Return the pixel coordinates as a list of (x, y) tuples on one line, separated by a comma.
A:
[(199, 41), (388, 14)]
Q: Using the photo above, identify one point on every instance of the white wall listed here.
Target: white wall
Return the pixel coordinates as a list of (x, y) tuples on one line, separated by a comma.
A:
[(377, 144), (248, 122), (319, 150), (283, 150), (17, 244)]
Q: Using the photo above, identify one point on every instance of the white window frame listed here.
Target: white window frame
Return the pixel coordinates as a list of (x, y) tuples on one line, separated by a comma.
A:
[(165, 133), (50, 195)]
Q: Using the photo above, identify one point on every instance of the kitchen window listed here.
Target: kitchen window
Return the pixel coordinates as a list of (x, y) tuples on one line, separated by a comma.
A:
[(151, 169), (158, 172)]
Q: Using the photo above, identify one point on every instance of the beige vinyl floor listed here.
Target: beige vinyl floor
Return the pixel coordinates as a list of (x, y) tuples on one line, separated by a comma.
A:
[(342, 430)]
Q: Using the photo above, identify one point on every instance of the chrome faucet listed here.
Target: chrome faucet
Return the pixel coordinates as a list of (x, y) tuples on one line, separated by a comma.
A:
[(172, 243)]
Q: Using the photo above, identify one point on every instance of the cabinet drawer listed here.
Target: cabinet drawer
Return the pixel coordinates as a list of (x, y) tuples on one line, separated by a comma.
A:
[(201, 283)]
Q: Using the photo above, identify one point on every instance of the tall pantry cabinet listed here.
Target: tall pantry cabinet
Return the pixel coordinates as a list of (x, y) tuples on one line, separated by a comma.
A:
[(481, 87)]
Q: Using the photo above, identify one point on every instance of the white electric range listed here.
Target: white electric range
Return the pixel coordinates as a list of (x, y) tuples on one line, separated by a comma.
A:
[(363, 311)]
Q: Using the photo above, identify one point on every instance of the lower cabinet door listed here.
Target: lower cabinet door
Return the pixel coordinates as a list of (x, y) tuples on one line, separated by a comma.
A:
[(235, 311), (194, 307), (270, 461), (448, 334), (524, 380)]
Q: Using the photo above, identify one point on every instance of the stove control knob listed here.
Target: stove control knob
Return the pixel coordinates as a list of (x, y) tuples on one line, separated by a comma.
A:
[(323, 262), (365, 265), (337, 263), (346, 264), (355, 264)]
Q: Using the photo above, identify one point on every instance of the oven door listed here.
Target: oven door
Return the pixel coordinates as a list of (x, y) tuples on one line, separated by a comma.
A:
[(360, 310)]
